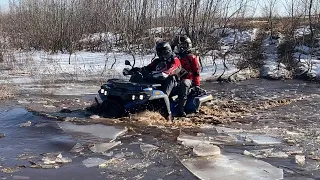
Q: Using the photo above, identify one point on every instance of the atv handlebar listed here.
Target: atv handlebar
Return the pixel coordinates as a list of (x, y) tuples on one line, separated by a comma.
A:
[(141, 74)]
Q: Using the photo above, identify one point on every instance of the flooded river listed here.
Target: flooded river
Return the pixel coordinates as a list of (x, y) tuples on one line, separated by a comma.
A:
[(283, 140)]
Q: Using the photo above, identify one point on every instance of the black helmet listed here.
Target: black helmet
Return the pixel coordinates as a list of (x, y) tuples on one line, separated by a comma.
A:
[(164, 50), (184, 44)]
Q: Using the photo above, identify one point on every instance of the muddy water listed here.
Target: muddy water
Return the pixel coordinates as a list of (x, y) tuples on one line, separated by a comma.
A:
[(295, 125)]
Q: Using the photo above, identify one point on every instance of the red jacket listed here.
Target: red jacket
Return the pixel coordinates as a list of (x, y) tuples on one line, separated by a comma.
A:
[(171, 68), (190, 68)]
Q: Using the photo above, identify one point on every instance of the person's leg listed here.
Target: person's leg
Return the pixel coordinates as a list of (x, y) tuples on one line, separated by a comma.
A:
[(169, 84), (183, 95)]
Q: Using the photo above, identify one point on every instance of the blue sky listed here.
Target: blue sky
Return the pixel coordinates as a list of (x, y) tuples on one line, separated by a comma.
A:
[(4, 2)]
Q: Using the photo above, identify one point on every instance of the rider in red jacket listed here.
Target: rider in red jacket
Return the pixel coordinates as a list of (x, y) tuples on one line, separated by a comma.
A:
[(190, 72), (167, 65)]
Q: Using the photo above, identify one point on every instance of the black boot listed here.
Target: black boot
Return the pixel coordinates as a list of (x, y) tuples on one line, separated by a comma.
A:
[(181, 105)]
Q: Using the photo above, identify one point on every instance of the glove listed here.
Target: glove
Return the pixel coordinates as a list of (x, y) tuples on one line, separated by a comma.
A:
[(197, 89), (160, 75), (126, 71)]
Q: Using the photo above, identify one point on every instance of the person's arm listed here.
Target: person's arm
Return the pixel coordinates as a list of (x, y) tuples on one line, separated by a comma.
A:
[(152, 65), (174, 68), (195, 70)]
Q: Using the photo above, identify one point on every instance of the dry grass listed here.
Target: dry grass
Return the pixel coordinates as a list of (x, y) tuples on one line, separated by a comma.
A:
[(148, 118), (7, 91), (219, 112), (223, 109)]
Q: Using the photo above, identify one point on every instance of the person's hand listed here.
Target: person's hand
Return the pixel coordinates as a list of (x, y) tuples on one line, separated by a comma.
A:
[(160, 75), (197, 88), (135, 69), (126, 71)]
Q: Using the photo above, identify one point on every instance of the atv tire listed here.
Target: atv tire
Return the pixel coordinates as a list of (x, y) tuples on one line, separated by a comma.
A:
[(111, 109)]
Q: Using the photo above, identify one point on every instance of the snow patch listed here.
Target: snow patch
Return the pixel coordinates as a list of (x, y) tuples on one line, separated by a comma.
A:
[(272, 69)]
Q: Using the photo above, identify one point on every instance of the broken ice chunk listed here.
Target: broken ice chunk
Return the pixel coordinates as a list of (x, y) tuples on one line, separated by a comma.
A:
[(92, 162), (26, 124), (300, 159), (261, 139), (96, 130), (103, 147), (192, 141), (63, 160), (264, 153), (77, 148), (227, 130), (147, 148), (52, 158), (206, 150), (230, 167)]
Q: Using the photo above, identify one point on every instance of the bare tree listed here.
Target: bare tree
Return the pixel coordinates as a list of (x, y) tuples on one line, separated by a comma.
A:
[(269, 8)]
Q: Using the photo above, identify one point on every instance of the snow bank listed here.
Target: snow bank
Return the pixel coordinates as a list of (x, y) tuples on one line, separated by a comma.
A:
[(107, 37), (272, 69), (84, 65), (214, 65), (307, 58), (79, 64), (302, 31), (232, 38), (171, 30)]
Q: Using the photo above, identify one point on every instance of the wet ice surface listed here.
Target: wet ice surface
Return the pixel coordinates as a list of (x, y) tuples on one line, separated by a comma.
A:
[(94, 131), (24, 151), (295, 125), (273, 139), (232, 166)]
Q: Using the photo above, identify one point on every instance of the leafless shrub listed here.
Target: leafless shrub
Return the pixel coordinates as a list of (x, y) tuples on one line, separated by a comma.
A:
[(59, 25), (71, 25), (252, 54), (7, 91)]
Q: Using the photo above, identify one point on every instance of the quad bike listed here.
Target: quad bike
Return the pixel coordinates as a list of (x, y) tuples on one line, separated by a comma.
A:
[(119, 97)]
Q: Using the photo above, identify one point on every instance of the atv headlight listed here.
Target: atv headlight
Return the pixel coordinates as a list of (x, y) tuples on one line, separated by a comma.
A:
[(147, 89), (141, 97), (102, 91), (133, 97), (105, 93)]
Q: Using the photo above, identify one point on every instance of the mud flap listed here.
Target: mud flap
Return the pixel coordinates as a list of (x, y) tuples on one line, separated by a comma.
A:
[(96, 99), (201, 100)]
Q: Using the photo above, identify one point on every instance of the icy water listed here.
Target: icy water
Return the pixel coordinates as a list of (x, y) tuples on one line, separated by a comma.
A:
[(23, 146), (150, 154), (296, 125)]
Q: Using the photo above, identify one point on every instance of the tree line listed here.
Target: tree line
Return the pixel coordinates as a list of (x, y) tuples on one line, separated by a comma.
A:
[(58, 25)]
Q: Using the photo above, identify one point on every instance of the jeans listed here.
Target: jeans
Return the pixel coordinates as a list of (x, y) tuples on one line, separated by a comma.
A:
[(184, 88)]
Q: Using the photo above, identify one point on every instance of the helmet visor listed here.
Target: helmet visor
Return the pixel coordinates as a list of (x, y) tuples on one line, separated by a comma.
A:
[(183, 46), (163, 54)]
